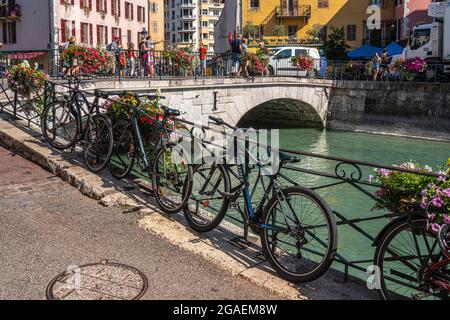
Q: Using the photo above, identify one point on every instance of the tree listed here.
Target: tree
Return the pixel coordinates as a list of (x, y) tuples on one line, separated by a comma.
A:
[(279, 30), (335, 46), (250, 30), (316, 33)]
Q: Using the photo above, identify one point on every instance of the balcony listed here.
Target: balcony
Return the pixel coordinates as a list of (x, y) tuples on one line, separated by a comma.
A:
[(186, 29), (10, 13), (293, 10), (187, 4), (187, 16)]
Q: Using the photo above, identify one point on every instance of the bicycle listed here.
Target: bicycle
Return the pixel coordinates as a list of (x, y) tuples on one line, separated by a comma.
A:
[(297, 229), (413, 262), (73, 119), (166, 163)]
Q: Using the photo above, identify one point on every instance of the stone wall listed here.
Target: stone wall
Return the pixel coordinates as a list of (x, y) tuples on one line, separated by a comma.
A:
[(409, 109)]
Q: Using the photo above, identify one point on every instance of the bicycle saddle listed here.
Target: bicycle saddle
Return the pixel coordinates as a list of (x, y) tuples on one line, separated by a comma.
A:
[(171, 112), (101, 94), (287, 158)]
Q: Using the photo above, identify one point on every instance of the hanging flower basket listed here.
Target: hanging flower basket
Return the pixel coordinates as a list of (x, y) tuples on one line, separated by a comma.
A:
[(89, 60), (428, 195)]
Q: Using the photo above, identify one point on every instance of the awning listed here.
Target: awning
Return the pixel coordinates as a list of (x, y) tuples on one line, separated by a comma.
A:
[(394, 49), (364, 52)]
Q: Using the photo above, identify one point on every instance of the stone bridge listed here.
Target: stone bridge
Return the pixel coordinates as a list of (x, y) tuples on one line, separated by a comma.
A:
[(288, 101)]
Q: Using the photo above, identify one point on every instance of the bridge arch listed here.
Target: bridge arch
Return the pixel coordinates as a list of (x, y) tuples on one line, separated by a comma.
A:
[(282, 113)]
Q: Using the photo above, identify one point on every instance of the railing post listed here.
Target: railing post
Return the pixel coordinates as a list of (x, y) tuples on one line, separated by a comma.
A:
[(15, 105)]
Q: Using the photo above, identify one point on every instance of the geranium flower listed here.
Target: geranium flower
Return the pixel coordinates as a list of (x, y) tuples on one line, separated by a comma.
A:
[(446, 219), (435, 227)]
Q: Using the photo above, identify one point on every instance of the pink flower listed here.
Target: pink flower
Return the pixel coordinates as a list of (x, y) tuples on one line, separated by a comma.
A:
[(446, 192), (437, 202), (432, 217), (446, 219), (384, 172), (435, 227)]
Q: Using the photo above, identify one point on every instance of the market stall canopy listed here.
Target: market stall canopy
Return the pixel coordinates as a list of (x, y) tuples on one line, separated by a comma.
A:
[(364, 52), (394, 49)]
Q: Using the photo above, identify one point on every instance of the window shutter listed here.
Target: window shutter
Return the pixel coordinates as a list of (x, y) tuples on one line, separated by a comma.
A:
[(98, 35), (81, 4), (132, 11), (98, 5), (72, 2), (106, 5), (74, 31), (90, 4), (82, 32), (127, 5), (5, 33), (106, 35), (91, 35), (63, 31), (112, 8), (118, 9)]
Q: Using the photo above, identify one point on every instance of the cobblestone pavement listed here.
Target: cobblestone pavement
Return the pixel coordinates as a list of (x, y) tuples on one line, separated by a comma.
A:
[(47, 226)]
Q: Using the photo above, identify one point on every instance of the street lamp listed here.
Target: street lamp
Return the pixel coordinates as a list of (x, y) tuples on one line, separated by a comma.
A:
[(143, 33)]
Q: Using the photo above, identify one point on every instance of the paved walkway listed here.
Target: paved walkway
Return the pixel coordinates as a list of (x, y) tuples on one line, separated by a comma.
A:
[(47, 225)]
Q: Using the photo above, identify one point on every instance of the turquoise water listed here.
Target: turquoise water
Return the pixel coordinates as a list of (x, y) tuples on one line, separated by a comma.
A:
[(345, 199)]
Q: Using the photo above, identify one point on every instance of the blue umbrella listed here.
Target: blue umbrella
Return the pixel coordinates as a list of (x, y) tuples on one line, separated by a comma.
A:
[(394, 49), (364, 52)]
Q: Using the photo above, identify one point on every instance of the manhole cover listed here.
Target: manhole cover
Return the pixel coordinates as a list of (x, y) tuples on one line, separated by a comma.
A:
[(98, 281)]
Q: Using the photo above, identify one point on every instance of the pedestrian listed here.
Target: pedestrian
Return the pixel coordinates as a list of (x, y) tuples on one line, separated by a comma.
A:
[(69, 67), (132, 59), (143, 51), (202, 55), (151, 57), (244, 65), (385, 65), (236, 53), (376, 61), (112, 47), (121, 60), (263, 53)]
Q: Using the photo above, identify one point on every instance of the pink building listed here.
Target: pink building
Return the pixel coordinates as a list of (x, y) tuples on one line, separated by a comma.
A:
[(41, 24), (409, 13)]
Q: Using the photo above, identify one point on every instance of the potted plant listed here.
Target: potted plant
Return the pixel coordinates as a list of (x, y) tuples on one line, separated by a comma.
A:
[(304, 63), (27, 81)]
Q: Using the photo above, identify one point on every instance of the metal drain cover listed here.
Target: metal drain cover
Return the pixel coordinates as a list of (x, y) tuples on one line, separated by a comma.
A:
[(98, 281)]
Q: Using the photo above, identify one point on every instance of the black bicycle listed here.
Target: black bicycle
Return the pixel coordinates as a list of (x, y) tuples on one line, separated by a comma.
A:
[(297, 228), (159, 157), (73, 119)]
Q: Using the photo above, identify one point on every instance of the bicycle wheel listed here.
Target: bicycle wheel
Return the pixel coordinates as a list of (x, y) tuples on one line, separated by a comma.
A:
[(98, 143), (171, 179), (403, 253), (59, 125), (299, 235), (124, 154), (207, 204)]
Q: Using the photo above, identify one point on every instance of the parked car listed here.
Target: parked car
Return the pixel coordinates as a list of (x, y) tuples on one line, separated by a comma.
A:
[(280, 62)]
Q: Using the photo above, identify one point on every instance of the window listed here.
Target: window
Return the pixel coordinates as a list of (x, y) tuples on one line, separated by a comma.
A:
[(116, 33), (115, 7), (129, 11), (351, 32), (301, 52), (67, 30), (102, 6), (9, 32), (129, 40), (323, 4), (292, 31), (154, 7), (155, 26), (254, 4), (86, 33), (86, 4), (102, 34), (141, 14), (284, 54)]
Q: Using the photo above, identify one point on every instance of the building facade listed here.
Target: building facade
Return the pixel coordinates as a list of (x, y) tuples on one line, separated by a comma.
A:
[(309, 21), (41, 24), (156, 22), (191, 22)]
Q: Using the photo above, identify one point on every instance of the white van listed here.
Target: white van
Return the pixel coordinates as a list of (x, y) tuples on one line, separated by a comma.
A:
[(280, 62)]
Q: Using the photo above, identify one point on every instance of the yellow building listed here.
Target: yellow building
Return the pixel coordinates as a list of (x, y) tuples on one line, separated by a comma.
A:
[(301, 19), (156, 22)]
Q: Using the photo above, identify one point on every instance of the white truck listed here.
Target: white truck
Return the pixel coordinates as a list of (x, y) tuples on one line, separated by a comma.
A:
[(432, 41)]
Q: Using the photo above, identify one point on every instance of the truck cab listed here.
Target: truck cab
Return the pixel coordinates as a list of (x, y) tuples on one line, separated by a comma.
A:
[(431, 41)]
